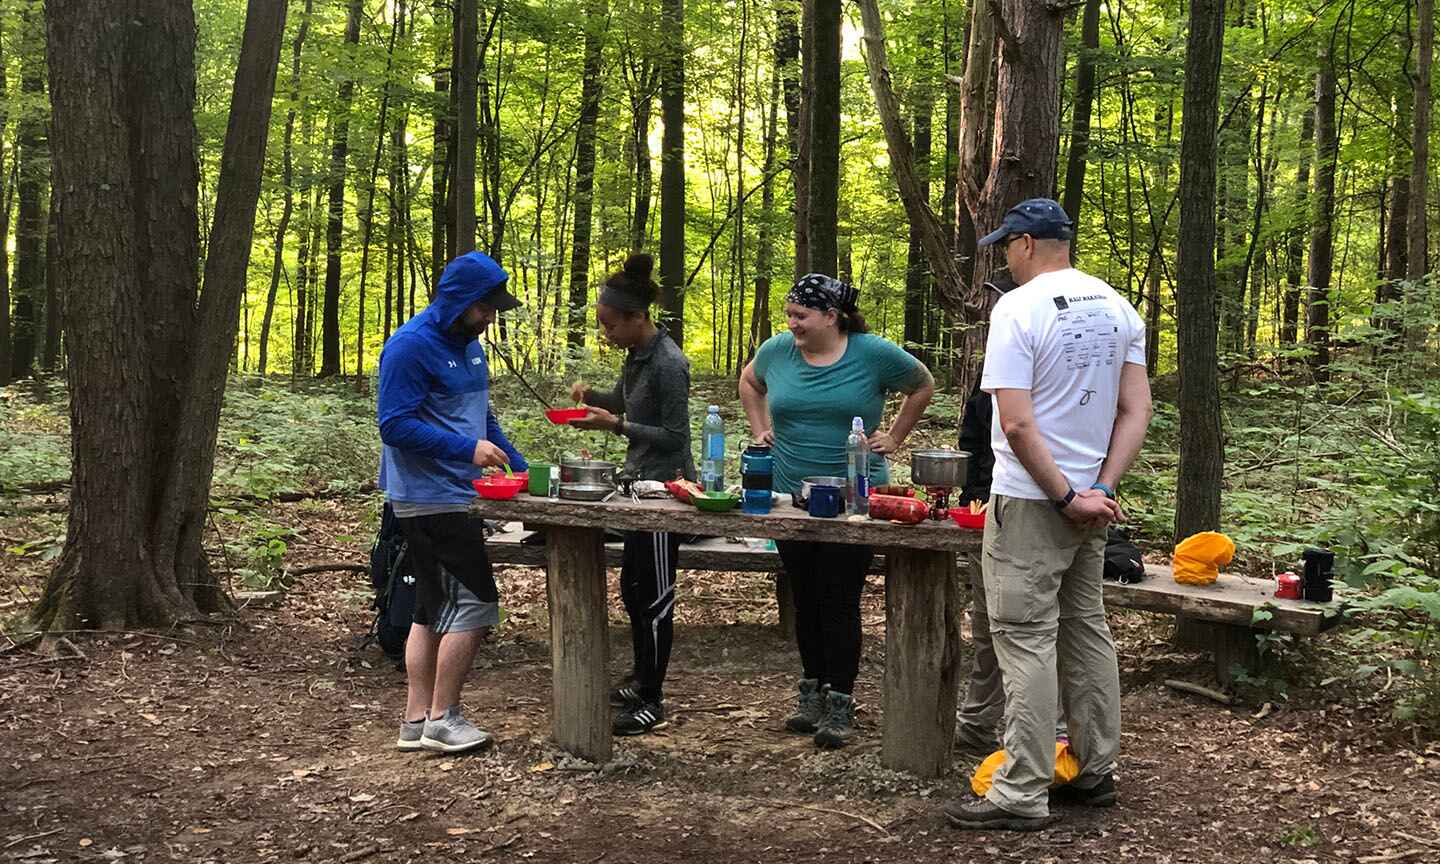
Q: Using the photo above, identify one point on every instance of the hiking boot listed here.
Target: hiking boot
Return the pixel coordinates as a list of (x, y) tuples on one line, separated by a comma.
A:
[(838, 724), (641, 717), (809, 707), (1102, 794), (453, 733), (410, 734), (981, 815)]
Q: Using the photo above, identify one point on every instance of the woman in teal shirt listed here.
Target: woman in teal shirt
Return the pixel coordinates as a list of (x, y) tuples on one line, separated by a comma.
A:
[(800, 393)]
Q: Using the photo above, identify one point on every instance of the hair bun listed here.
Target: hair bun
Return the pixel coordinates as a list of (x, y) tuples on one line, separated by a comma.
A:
[(639, 266)]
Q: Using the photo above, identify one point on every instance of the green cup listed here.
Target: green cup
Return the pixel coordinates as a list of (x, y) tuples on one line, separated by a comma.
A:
[(539, 479)]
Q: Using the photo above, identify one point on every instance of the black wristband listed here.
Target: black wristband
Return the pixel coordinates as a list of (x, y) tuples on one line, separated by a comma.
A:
[(1065, 502)]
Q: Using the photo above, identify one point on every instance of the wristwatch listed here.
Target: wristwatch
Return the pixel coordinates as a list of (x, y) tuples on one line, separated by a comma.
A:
[(1065, 502), (1109, 493)]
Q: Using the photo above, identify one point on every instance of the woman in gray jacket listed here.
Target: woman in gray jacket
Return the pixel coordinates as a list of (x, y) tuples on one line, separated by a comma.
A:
[(649, 406)]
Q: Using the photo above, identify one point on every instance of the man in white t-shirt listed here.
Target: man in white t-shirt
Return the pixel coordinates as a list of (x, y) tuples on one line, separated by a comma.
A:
[(1065, 362)]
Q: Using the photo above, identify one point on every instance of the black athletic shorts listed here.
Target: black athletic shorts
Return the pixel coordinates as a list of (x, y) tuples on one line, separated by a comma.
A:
[(454, 583)]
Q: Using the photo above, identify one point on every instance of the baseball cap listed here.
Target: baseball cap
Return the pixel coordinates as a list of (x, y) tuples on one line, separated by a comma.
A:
[(476, 276), (1041, 218)]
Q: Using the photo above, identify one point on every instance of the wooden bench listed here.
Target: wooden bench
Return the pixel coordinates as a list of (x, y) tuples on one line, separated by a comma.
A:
[(1223, 614)]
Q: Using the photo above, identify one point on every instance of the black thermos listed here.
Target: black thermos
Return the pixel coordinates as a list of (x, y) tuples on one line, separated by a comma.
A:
[(1319, 570)]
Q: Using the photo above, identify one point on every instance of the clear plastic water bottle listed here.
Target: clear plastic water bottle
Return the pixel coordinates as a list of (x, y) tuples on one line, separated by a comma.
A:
[(857, 469), (712, 451)]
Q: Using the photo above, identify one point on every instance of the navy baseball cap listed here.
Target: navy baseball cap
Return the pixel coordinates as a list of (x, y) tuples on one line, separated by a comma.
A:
[(1041, 218)]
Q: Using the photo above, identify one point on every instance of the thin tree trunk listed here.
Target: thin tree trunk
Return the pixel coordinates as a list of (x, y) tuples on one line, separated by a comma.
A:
[(287, 179), (440, 157), (32, 157), (596, 15), (467, 72), (54, 325), (822, 212), (1417, 260), (1322, 238), (917, 269), (672, 169), (765, 248), (335, 215), (795, 67), (1295, 239), (1165, 128), (6, 188), (1197, 499), (1080, 119)]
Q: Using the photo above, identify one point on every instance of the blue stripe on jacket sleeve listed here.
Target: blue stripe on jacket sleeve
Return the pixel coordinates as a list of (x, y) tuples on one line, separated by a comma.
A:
[(403, 388)]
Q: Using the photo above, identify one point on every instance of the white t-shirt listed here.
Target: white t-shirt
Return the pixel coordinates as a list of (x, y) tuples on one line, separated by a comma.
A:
[(1063, 336)]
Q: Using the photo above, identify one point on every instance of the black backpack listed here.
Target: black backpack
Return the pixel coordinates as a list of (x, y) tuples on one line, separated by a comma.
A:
[(1122, 558), (394, 585)]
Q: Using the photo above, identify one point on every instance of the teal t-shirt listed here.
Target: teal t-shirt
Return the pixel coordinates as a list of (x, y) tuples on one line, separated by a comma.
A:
[(811, 406)]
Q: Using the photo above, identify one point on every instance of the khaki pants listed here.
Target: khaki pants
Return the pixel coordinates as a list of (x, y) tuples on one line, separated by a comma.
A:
[(1045, 599)]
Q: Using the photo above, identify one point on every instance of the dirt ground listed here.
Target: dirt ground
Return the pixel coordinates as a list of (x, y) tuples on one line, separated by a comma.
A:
[(270, 739)]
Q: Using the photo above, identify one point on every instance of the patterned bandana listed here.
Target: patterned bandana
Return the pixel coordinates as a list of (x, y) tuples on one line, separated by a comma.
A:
[(818, 291)]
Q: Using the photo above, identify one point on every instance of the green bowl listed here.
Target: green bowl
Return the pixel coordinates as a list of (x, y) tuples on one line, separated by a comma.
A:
[(715, 502)]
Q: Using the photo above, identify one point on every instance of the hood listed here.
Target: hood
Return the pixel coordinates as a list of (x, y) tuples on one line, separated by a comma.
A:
[(466, 279)]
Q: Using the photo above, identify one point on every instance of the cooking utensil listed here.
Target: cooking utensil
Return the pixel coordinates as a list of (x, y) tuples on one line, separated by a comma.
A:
[(801, 499), (587, 471), (585, 491), (943, 468), (505, 358)]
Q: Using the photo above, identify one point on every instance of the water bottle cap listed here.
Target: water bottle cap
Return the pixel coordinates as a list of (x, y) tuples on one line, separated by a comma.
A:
[(858, 424), (714, 409)]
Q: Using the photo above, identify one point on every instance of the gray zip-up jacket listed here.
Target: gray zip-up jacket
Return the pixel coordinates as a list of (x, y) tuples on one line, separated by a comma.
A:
[(653, 395)]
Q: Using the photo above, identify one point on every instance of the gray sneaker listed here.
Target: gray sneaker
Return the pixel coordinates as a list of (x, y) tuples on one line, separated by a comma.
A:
[(838, 724), (809, 707), (453, 733), (410, 734)]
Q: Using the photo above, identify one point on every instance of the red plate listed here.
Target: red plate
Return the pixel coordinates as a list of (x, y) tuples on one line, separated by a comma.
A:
[(561, 416)]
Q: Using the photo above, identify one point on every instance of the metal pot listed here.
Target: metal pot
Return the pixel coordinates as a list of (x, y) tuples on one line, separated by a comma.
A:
[(939, 468), (586, 491), (801, 499), (588, 472)]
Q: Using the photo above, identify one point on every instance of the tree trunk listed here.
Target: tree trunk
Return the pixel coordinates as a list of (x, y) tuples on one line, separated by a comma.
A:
[(335, 215), (672, 169), (5, 188), (642, 105), (467, 74), (1164, 132), (287, 180), (1202, 455), (596, 21), (33, 162), (440, 156), (795, 84), (917, 271), (54, 328), (146, 369), (367, 212), (1417, 260), (822, 211), (1080, 120), (1322, 238), (1395, 213), (760, 326), (1295, 238)]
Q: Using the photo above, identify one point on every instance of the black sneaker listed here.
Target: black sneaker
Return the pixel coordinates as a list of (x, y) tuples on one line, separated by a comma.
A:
[(625, 695), (640, 718), (981, 815), (1102, 794)]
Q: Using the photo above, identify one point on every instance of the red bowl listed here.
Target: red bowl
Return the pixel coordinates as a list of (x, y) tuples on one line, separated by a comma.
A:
[(562, 416), (965, 519), (499, 487)]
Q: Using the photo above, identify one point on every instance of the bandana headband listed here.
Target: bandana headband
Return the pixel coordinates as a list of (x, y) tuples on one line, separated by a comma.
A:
[(823, 293)]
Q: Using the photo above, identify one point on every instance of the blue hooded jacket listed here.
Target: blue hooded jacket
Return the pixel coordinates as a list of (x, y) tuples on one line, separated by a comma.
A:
[(434, 400)]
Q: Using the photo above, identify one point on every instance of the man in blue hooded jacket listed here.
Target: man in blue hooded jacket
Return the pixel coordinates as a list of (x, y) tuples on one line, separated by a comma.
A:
[(438, 432)]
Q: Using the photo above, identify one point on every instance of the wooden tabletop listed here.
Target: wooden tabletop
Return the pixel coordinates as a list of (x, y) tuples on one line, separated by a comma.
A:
[(784, 522)]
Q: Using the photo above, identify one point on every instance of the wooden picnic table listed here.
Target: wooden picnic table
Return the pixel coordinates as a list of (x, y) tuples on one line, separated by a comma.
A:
[(923, 602)]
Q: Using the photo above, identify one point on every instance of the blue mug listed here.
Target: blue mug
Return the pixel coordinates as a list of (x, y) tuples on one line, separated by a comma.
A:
[(826, 501)]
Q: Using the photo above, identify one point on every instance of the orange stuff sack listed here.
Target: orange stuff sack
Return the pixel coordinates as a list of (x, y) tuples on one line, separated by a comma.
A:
[(1199, 557), (1067, 768)]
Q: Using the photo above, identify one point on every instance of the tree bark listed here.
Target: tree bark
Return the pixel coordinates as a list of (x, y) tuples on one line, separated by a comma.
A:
[(822, 211), (33, 161), (467, 73), (440, 156), (1417, 261), (1080, 120), (917, 270), (793, 20), (1395, 204), (1201, 449), (760, 326), (287, 180), (1322, 238), (1295, 238), (596, 22), (672, 169), (5, 189), (146, 368), (335, 215)]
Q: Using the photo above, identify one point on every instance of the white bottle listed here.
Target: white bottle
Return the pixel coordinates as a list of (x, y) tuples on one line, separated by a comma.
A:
[(554, 481), (857, 469)]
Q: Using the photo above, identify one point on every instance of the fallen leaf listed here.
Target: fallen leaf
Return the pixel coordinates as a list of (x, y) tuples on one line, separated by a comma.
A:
[(152, 718), (542, 766), (456, 832), (362, 798), (446, 766)]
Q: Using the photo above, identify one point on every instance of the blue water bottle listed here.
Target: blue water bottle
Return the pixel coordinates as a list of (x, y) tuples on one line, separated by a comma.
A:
[(757, 470), (712, 451), (857, 469)]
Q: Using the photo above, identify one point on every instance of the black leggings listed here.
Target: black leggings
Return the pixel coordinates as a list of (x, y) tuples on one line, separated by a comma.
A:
[(647, 586), (825, 581)]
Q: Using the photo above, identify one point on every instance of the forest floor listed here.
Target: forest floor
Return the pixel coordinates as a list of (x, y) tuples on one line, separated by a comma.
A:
[(270, 738)]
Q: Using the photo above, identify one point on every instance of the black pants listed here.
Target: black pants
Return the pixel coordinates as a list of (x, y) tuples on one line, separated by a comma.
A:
[(647, 585), (825, 581)]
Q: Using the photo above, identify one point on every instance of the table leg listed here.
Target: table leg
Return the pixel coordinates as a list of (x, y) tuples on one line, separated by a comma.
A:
[(579, 642), (923, 605)]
